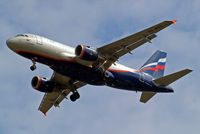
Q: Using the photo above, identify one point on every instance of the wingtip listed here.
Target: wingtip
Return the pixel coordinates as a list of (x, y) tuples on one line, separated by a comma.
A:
[(143, 102), (174, 21), (190, 70)]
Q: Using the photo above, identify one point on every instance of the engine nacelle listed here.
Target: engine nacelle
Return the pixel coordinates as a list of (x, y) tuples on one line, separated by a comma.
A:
[(86, 53), (42, 84)]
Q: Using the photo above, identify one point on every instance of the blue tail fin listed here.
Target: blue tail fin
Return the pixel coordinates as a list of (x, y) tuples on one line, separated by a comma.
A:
[(155, 65)]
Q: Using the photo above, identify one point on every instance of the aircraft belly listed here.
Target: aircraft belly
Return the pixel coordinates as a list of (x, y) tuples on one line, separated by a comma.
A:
[(69, 68), (133, 82), (80, 72), (128, 81)]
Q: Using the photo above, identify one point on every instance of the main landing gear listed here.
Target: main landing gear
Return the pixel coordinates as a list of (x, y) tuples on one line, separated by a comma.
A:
[(74, 96), (33, 67)]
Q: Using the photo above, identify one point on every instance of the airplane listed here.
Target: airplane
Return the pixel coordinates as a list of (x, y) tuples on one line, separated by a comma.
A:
[(76, 67)]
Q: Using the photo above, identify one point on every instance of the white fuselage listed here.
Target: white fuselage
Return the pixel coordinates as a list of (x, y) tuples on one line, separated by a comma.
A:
[(48, 48)]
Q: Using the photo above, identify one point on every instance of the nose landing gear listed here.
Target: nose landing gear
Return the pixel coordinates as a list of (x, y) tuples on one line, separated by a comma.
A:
[(33, 67)]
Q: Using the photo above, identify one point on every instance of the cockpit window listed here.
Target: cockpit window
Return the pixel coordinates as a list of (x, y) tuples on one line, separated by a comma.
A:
[(22, 35), (19, 35)]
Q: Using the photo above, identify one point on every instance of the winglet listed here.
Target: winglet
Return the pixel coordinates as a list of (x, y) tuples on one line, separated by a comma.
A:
[(174, 21)]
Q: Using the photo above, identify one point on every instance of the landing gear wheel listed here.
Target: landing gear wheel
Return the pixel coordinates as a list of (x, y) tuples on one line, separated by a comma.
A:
[(33, 67), (77, 95), (74, 96)]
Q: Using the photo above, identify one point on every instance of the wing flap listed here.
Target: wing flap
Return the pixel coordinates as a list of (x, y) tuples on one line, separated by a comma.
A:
[(61, 97), (146, 96), (113, 51), (134, 45), (48, 101), (59, 93), (144, 34)]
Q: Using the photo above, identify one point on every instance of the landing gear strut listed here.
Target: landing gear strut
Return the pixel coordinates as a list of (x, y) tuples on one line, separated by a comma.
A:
[(74, 96), (33, 67)]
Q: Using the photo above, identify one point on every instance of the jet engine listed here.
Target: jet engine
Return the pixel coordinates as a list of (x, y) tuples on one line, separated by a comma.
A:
[(86, 53), (42, 84)]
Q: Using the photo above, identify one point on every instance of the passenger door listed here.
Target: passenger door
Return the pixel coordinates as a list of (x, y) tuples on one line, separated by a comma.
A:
[(142, 77)]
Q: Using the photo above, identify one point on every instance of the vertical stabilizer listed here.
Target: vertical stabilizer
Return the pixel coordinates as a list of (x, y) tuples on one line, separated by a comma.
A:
[(155, 65)]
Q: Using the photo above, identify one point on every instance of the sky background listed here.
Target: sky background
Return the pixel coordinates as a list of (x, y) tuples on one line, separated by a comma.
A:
[(101, 110)]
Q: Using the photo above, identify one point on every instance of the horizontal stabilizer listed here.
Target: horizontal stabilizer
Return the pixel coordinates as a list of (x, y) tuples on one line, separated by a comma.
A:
[(168, 79), (146, 96)]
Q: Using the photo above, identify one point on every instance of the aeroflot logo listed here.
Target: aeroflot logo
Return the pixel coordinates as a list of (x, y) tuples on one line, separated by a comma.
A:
[(155, 65)]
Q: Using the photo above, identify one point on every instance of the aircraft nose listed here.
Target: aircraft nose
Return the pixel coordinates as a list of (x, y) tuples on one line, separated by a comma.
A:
[(10, 43)]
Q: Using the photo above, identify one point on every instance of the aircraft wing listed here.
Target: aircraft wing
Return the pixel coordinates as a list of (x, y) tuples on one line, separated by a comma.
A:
[(115, 50), (65, 85)]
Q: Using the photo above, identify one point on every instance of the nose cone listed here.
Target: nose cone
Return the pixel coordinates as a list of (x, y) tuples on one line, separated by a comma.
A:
[(11, 43)]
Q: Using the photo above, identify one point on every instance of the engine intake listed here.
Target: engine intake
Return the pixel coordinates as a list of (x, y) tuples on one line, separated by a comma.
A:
[(86, 53), (42, 84)]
